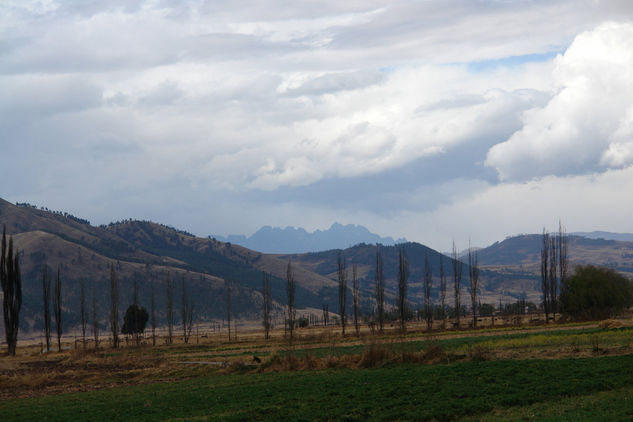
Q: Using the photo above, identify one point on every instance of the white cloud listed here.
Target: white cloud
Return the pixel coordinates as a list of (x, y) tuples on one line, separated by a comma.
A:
[(157, 100), (585, 126)]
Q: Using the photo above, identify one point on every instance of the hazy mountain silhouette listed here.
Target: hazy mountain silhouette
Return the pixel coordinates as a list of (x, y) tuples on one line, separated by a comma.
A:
[(297, 240)]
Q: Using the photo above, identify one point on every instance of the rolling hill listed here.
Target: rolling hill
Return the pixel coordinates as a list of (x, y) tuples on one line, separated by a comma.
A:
[(147, 252)]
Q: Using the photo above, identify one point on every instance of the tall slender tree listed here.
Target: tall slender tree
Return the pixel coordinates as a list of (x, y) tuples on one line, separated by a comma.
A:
[(290, 293), (457, 284), (114, 307), (428, 284), (443, 291), (169, 309), (11, 281), (153, 317), (95, 320), (553, 275), (563, 262), (136, 315), (186, 312), (342, 290), (355, 298), (57, 308), (267, 299), (545, 273), (83, 311), (380, 290), (473, 277), (403, 275), (46, 296), (228, 307)]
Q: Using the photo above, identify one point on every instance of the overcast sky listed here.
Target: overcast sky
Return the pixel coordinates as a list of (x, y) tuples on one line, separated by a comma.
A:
[(430, 120)]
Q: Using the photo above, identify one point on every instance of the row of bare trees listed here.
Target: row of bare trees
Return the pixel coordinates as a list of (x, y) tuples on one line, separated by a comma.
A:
[(55, 296)]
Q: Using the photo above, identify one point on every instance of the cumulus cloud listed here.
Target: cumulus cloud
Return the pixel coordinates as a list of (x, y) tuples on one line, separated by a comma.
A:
[(298, 103), (586, 126)]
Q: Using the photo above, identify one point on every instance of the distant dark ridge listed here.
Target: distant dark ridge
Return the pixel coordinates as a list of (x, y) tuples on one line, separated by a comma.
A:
[(297, 240)]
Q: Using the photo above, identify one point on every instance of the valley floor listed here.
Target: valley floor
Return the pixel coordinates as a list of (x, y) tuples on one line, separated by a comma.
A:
[(562, 372)]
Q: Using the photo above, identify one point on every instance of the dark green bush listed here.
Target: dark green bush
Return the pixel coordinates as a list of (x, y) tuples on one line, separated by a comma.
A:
[(596, 293)]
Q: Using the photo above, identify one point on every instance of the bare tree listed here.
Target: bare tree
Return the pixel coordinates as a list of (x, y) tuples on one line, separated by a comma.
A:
[(187, 313), (342, 290), (473, 276), (380, 290), (57, 308), (326, 315), (355, 298), (46, 294), (403, 275), (114, 307), (443, 291), (137, 315), (563, 262), (553, 275), (170, 309), (11, 281), (228, 307), (428, 284), (83, 311), (290, 293), (457, 284), (95, 321), (153, 317), (545, 273), (267, 298)]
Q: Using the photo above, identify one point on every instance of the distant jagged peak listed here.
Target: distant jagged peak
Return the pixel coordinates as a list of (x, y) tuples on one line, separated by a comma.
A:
[(291, 239)]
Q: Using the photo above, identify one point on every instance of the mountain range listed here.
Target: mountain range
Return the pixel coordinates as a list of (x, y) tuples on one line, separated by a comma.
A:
[(148, 253), (276, 240)]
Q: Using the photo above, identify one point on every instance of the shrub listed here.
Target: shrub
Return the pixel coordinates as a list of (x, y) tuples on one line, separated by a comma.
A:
[(596, 293)]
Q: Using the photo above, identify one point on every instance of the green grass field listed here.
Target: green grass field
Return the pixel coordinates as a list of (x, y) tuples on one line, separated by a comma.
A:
[(564, 389)]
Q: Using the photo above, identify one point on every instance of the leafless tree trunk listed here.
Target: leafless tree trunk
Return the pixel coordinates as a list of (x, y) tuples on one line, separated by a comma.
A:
[(95, 321), (11, 282), (443, 291), (153, 317), (403, 275), (380, 290), (545, 271), (326, 315), (562, 260), (267, 298), (428, 284), (187, 313), (473, 273), (170, 309), (83, 311), (228, 307), (137, 334), (46, 293), (57, 308), (355, 298), (457, 284), (114, 307), (342, 290), (553, 275), (290, 293)]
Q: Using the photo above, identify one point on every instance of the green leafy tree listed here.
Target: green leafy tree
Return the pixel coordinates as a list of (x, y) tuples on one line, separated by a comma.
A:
[(596, 293), (134, 320)]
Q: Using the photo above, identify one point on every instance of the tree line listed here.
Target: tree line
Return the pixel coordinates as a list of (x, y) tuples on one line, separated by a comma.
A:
[(402, 310)]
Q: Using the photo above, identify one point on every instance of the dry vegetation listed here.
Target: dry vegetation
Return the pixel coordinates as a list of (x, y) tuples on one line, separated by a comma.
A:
[(32, 373)]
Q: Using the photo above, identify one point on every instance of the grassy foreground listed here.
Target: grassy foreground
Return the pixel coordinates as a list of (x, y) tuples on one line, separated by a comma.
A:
[(501, 390)]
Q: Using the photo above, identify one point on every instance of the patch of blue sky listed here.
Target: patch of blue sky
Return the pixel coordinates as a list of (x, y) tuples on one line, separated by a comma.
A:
[(511, 61)]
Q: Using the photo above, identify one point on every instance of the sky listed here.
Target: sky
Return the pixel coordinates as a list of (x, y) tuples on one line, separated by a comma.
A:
[(430, 120)]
